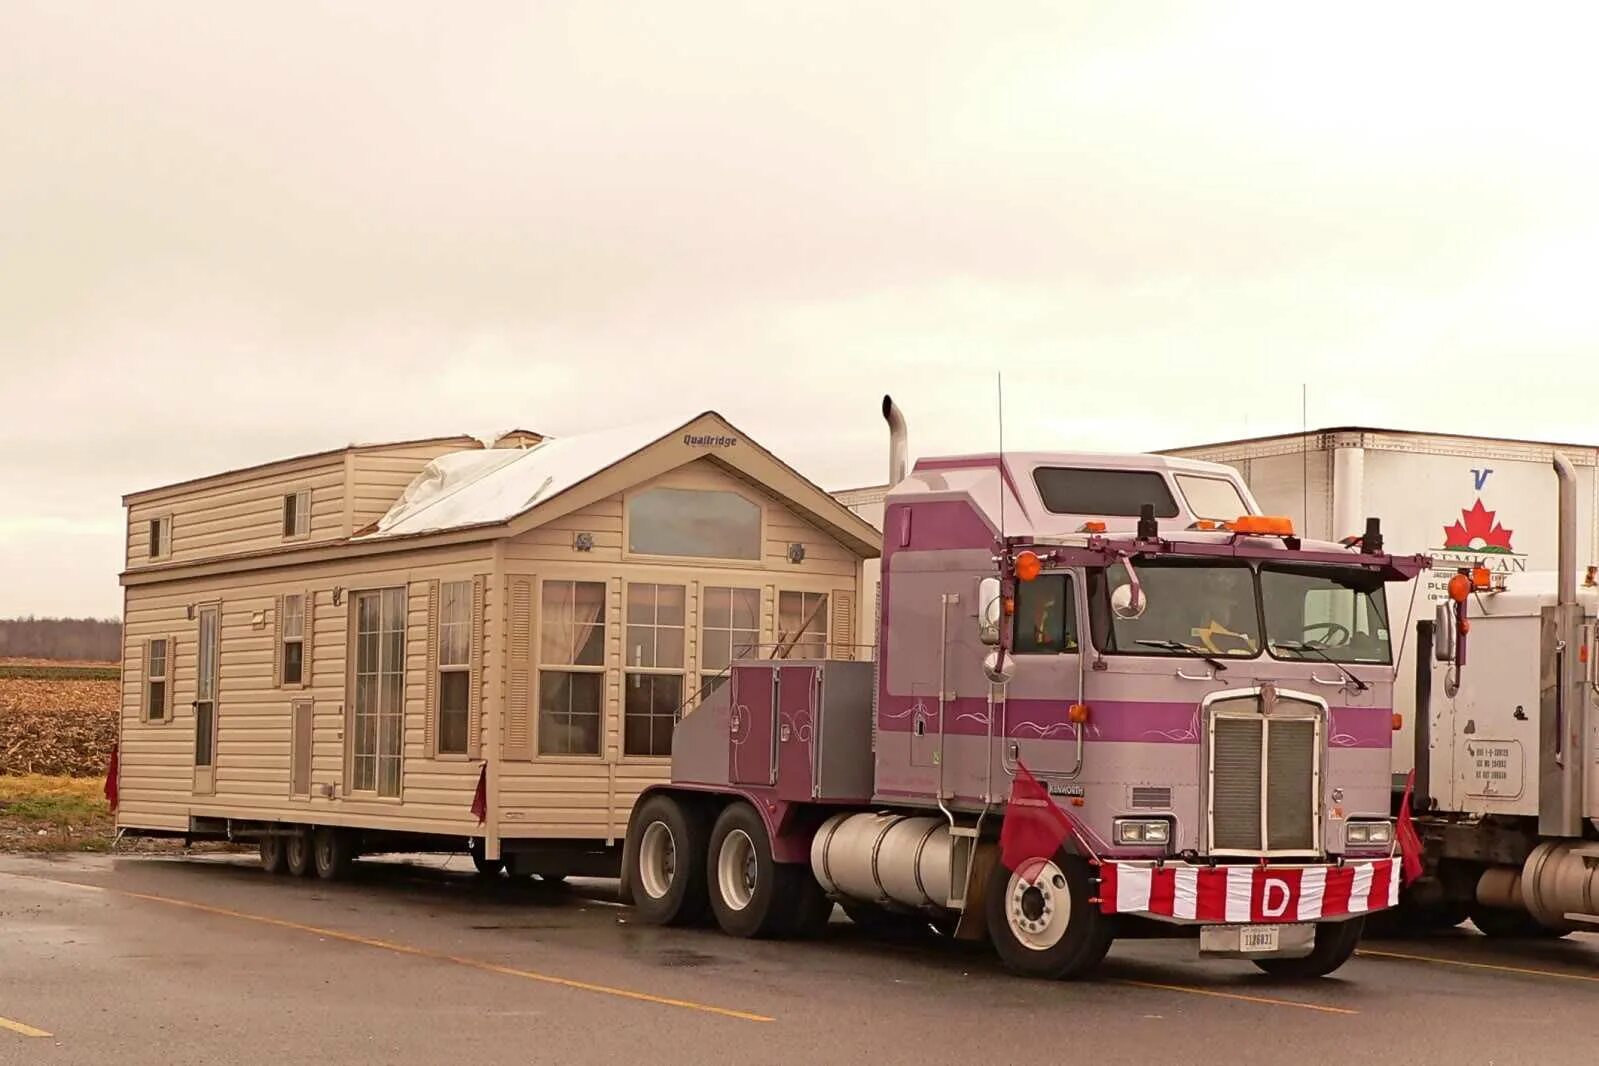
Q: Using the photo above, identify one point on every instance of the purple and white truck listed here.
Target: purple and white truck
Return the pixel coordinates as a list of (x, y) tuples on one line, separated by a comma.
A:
[(1123, 647)]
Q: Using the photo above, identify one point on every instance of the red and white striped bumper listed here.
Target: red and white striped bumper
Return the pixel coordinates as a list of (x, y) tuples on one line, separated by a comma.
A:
[(1244, 894)]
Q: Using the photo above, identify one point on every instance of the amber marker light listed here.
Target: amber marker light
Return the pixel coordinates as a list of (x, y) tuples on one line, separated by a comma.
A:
[(1077, 714), (1480, 578), (1028, 566), (1264, 525), (1459, 588), (1092, 527), (1399, 721)]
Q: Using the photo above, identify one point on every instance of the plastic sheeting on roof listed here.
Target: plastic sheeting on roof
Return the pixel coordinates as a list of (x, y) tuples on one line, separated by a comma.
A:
[(474, 488)]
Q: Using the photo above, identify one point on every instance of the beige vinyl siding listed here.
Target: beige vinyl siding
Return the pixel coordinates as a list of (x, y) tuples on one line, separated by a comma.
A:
[(238, 518), (590, 797), (255, 720)]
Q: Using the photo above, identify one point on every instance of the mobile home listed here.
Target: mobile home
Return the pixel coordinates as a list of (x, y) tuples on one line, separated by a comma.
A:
[(411, 645)]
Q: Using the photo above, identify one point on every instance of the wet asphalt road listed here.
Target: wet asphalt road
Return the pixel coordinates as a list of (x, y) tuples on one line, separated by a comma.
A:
[(135, 961)]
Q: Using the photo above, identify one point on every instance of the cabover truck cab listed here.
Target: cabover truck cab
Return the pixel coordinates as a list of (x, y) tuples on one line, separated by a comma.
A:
[(1507, 747), (1121, 647)]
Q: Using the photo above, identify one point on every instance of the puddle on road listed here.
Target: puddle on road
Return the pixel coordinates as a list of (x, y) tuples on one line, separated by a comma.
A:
[(682, 957)]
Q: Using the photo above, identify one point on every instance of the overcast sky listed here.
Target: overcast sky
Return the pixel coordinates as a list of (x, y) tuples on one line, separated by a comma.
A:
[(231, 233)]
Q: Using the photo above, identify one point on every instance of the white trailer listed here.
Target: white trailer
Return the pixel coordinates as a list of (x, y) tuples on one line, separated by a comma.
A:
[(1466, 501)]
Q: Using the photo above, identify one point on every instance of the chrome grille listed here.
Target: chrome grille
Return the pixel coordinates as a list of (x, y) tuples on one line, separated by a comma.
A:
[(1235, 784), (1151, 797), (1280, 752)]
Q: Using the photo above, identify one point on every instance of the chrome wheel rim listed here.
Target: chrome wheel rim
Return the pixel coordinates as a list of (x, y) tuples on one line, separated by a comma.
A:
[(657, 860), (736, 869), (1038, 911)]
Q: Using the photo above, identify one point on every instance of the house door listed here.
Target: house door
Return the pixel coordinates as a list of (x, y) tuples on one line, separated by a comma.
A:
[(205, 701)]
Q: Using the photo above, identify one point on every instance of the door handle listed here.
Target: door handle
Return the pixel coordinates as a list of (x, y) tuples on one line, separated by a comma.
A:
[(1335, 682), (1185, 675)]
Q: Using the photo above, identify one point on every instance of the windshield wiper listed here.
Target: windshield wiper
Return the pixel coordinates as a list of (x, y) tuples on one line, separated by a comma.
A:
[(1299, 646), (1192, 649)]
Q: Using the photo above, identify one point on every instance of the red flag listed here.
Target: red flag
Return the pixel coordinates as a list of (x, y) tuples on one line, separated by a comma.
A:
[(480, 798), (1034, 828), (112, 773), (1409, 840)]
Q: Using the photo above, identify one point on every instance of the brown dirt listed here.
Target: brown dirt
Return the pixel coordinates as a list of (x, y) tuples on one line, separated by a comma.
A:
[(57, 727)]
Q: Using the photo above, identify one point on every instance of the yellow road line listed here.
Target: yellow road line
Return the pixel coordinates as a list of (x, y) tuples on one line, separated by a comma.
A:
[(422, 953), (1263, 1000), (18, 1027), (1501, 967)]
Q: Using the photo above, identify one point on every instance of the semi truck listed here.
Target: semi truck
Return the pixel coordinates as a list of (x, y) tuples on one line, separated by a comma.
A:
[(1110, 693), (1502, 741)]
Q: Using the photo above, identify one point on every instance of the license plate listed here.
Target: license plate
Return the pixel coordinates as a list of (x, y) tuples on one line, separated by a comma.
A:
[(1259, 938)]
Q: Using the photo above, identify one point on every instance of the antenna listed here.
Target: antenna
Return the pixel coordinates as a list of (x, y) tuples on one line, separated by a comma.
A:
[(999, 386), (1304, 457)]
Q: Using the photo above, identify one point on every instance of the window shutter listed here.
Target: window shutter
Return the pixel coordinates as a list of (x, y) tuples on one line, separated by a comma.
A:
[(474, 713), (277, 642), (307, 636), (430, 716), (843, 627), (172, 677), (146, 711), (519, 670)]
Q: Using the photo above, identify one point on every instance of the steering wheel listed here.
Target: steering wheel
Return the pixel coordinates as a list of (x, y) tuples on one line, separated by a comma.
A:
[(1333, 629)]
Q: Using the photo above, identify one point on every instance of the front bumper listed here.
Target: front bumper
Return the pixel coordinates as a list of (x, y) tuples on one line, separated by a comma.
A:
[(1187, 894)]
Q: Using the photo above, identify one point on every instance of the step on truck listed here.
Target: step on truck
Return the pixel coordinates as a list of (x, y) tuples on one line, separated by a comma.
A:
[(1507, 745), (1121, 647)]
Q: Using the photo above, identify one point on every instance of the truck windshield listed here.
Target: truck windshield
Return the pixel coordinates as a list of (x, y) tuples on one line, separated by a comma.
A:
[(1335, 614), (1193, 607)]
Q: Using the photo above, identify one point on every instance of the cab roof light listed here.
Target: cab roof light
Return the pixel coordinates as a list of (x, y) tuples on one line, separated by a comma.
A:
[(1269, 525), (1203, 523), (1028, 566), (1092, 527)]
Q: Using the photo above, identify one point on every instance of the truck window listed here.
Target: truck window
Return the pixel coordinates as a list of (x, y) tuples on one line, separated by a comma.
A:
[(1212, 497), (1114, 493), (1337, 613), (1193, 607), (1046, 617)]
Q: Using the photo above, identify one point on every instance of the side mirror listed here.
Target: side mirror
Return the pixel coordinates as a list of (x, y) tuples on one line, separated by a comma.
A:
[(990, 609), (998, 668), (1125, 604), (1443, 633)]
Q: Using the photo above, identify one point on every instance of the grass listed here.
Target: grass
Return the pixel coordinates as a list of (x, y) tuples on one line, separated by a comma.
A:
[(31, 672), (39, 812)]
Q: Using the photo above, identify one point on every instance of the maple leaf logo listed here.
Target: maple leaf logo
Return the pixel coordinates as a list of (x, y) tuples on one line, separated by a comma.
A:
[(1477, 532)]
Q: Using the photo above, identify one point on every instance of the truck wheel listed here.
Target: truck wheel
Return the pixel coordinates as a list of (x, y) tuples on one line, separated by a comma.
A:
[(333, 852), (810, 908), (751, 894), (1501, 923), (297, 852), (1335, 943), (273, 860), (485, 867), (1047, 927), (666, 862)]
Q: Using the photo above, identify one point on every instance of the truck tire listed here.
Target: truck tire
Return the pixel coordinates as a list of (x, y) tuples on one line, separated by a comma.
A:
[(333, 853), (665, 862), (1335, 943), (1047, 927), (752, 895), (810, 908), (1500, 923), (273, 860), (297, 852)]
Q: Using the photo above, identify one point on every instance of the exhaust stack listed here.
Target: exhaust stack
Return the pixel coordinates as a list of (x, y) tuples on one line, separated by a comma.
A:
[(898, 442), (1564, 706), (1566, 580)]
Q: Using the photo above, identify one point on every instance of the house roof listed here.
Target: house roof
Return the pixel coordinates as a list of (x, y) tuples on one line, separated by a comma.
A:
[(479, 488)]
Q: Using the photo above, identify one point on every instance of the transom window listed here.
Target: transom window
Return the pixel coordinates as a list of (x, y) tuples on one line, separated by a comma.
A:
[(455, 666), (571, 667), (157, 677), (802, 624), (379, 691), (730, 628), (654, 677), (698, 523)]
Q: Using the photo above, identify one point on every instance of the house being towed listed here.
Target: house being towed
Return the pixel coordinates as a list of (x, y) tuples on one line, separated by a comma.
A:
[(411, 645)]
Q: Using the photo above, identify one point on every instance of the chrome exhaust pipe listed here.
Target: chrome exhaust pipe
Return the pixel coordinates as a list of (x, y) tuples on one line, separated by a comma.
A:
[(1566, 580), (898, 442)]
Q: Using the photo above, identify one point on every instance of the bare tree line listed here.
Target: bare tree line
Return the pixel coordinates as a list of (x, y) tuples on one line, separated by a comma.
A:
[(96, 639)]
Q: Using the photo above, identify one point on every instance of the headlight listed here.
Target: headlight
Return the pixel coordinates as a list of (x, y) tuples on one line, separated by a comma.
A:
[(1371, 834), (1142, 831)]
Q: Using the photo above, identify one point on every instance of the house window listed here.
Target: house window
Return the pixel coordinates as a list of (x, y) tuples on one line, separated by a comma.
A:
[(379, 691), (207, 669), (802, 625), (571, 667), (654, 661), (157, 676), (1045, 618), (292, 625), (730, 628), (696, 523), (297, 514), (161, 537), (455, 665)]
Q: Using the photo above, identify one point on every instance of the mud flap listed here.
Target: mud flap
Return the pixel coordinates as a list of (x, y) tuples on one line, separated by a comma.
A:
[(973, 923)]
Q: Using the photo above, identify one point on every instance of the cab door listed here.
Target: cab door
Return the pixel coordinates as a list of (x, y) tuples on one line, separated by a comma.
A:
[(1046, 644)]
